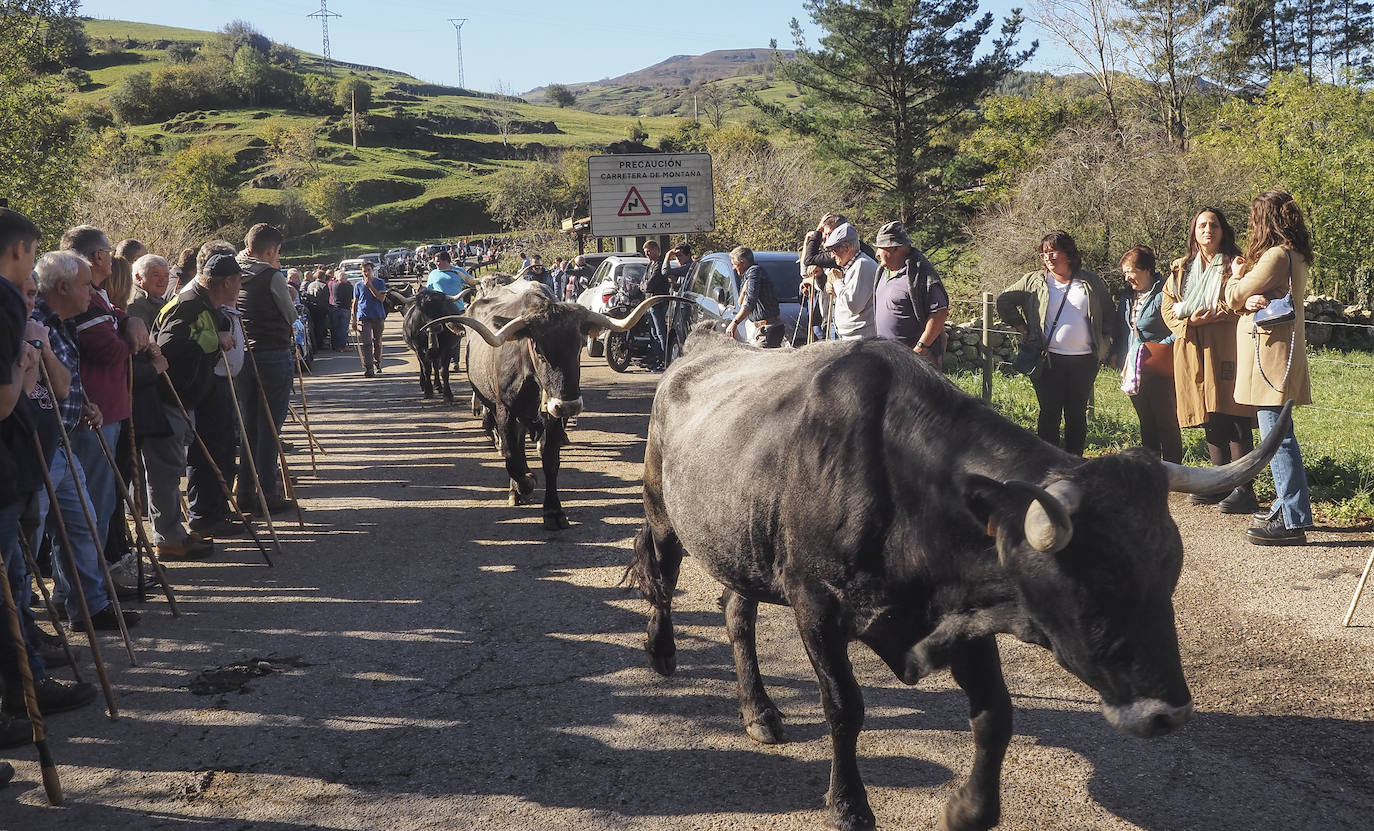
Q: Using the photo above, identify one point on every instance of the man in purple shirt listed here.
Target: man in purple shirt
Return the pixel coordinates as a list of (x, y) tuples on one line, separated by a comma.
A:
[(911, 302)]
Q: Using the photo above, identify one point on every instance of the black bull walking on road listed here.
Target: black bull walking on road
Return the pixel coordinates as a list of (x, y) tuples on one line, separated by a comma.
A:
[(853, 483)]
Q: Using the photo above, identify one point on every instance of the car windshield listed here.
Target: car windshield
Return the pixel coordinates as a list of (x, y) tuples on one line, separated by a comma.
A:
[(785, 277)]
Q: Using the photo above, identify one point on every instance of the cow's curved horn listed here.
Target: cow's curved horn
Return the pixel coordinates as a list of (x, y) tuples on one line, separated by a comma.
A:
[(1049, 517), (462, 295), (1188, 479), (627, 322), (504, 334)]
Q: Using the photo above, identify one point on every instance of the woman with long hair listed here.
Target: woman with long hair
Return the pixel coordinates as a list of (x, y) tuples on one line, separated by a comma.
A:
[(1273, 356), (1148, 373), (1069, 310), (120, 284), (1205, 362)]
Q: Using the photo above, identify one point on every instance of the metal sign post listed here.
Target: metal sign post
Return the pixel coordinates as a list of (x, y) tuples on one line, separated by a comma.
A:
[(649, 194)]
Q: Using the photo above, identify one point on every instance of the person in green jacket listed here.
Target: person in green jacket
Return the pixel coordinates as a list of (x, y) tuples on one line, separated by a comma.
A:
[(1069, 310)]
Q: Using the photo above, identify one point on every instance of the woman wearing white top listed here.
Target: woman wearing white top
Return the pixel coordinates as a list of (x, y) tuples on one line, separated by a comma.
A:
[(1068, 309)]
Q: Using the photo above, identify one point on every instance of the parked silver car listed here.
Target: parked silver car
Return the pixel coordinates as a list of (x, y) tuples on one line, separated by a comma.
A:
[(714, 289), (614, 271)]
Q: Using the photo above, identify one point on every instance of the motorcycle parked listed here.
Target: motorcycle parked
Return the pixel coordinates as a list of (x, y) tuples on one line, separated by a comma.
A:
[(636, 345)]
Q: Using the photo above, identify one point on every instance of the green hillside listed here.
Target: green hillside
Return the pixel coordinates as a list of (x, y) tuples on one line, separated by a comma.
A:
[(423, 159)]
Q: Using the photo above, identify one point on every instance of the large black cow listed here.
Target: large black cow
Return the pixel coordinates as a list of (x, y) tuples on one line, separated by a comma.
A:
[(525, 370), (436, 347), (854, 483)]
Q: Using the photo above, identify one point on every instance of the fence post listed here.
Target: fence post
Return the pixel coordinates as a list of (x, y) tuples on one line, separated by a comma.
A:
[(987, 346)]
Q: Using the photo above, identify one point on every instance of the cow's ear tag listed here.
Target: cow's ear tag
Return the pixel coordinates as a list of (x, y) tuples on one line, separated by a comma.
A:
[(992, 527)]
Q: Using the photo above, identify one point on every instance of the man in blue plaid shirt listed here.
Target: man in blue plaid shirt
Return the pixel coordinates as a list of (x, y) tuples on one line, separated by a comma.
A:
[(64, 291)]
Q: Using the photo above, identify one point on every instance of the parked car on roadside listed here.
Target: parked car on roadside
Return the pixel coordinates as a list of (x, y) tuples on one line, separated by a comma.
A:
[(714, 291), (613, 271), (352, 269)]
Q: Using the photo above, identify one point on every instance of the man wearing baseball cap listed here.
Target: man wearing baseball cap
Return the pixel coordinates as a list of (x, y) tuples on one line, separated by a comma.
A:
[(911, 304), (191, 332), (854, 292)]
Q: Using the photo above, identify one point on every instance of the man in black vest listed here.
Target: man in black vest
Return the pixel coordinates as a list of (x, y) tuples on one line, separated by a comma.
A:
[(265, 302)]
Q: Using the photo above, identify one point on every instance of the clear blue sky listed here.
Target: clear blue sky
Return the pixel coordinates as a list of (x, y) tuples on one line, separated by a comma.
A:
[(519, 43)]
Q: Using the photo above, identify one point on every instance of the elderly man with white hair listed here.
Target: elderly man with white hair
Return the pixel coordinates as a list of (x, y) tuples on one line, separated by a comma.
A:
[(151, 276), (64, 293)]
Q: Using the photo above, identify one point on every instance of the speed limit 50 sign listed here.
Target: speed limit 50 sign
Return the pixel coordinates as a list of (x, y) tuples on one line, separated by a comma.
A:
[(651, 193)]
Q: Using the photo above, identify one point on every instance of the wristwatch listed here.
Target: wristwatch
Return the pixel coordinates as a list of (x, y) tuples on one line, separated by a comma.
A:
[(921, 345)]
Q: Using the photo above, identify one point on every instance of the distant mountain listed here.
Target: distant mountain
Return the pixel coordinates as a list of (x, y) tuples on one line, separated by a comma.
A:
[(683, 70)]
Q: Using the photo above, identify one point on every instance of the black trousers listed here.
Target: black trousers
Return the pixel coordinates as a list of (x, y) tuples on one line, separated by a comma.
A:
[(1063, 390), (1158, 413)]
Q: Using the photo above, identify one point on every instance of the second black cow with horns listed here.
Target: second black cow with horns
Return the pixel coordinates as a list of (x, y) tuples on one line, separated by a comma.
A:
[(526, 375)]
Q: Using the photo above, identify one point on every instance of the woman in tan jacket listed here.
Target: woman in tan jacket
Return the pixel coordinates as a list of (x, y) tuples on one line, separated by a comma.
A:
[(1273, 358), (1205, 351)]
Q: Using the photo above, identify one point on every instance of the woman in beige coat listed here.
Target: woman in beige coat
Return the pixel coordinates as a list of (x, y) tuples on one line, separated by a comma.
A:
[(1205, 361), (1273, 359)]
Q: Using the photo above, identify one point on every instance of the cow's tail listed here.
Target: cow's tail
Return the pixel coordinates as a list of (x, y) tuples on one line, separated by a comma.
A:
[(645, 571)]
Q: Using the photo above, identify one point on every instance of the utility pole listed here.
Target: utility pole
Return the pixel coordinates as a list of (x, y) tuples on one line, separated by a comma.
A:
[(324, 14), (458, 28)]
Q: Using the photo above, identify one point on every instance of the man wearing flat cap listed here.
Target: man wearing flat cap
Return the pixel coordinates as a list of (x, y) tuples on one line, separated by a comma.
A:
[(854, 293), (192, 331), (911, 304)]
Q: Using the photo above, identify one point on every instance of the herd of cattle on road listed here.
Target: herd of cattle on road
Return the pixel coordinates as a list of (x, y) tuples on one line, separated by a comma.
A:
[(850, 481)]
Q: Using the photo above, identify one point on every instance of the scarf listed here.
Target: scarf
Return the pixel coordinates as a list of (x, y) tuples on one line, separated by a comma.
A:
[(1202, 288)]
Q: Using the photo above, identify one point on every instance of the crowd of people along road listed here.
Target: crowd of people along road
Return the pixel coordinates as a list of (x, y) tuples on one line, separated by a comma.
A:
[(116, 366)]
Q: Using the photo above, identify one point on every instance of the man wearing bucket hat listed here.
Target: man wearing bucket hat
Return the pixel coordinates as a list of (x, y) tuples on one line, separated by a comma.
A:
[(854, 293), (911, 304)]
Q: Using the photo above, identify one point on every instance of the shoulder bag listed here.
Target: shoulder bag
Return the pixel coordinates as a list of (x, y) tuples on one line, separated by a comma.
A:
[(1277, 312), (1032, 356)]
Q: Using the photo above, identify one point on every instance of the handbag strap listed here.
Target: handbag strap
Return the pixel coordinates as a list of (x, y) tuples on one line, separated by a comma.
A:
[(1292, 339), (1055, 324)]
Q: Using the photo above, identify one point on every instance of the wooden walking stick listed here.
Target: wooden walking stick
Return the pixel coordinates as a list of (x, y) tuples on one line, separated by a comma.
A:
[(52, 785), (141, 535), (94, 528), (314, 442), (66, 546), (32, 563), (219, 474), (305, 420), (133, 458), (287, 484), (252, 463)]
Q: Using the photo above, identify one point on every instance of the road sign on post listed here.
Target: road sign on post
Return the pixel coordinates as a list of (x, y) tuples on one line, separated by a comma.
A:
[(647, 194)]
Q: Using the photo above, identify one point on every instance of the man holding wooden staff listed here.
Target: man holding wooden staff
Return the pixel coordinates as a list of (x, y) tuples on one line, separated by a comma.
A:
[(192, 330), (19, 370)]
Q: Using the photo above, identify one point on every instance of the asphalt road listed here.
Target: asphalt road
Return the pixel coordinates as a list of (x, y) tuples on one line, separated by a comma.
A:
[(437, 660)]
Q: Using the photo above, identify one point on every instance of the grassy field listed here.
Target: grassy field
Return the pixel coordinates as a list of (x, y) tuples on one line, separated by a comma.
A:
[(1336, 433)]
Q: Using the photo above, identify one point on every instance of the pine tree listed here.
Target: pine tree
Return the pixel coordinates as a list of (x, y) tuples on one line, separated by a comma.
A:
[(887, 78)]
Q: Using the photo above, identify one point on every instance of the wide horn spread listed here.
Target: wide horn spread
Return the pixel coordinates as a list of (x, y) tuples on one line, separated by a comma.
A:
[(504, 334), (1212, 480), (627, 322)]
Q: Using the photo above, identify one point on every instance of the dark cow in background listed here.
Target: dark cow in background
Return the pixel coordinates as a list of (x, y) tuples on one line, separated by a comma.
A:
[(854, 483), (525, 370), (436, 347)]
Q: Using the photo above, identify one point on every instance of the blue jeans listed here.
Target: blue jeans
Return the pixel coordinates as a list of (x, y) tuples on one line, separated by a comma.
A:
[(100, 477), (658, 322), (277, 370), (69, 482), (17, 573), (1291, 498)]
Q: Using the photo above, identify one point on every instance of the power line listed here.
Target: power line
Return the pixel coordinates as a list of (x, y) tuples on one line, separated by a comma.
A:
[(324, 14), (458, 28)]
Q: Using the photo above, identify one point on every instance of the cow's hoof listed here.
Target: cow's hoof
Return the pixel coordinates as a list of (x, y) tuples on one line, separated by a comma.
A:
[(665, 664), (556, 522), (848, 815), (767, 728), (964, 813)]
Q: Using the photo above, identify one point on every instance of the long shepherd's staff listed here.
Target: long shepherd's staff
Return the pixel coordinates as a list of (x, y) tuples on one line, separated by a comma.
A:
[(32, 563), (305, 414), (252, 463), (287, 484), (93, 527), (219, 475), (141, 535), (66, 546), (52, 785)]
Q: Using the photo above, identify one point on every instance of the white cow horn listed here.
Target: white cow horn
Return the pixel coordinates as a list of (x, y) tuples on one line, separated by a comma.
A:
[(1049, 517)]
